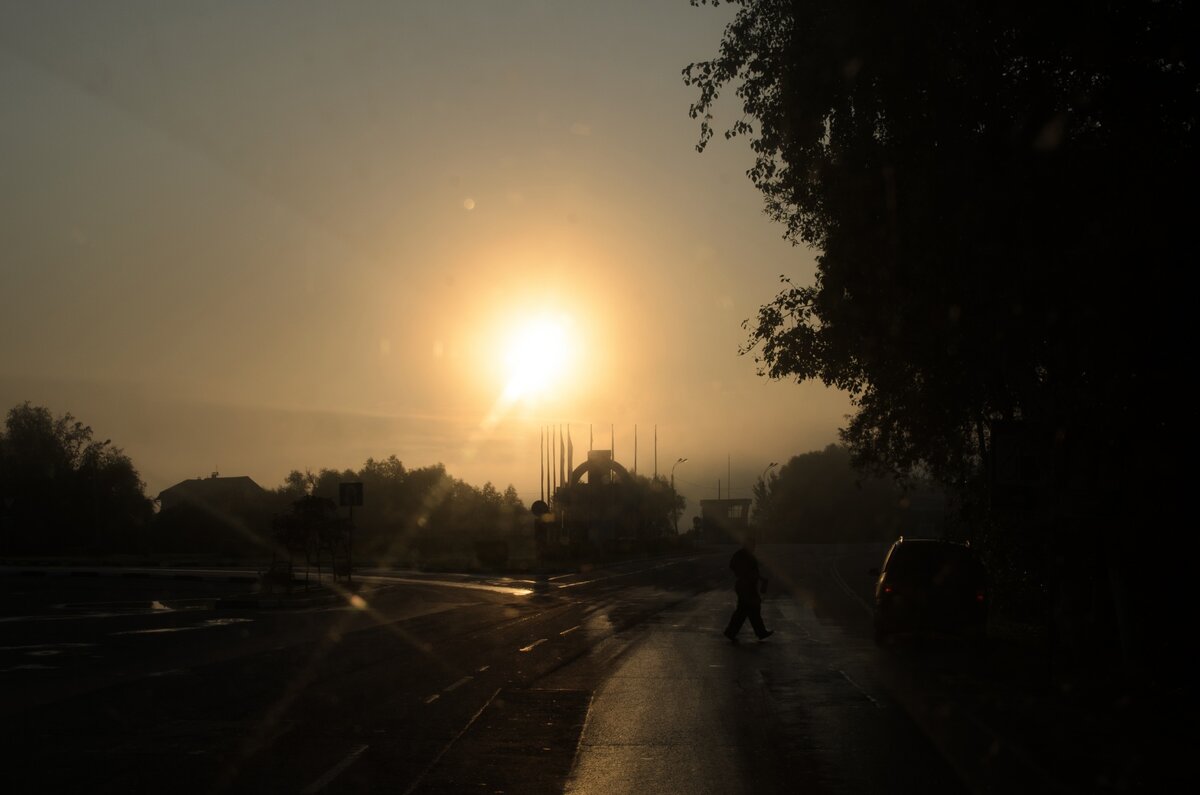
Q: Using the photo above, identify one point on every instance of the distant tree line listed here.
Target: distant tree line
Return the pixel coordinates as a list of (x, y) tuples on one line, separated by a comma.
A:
[(820, 497), (411, 515), (64, 492)]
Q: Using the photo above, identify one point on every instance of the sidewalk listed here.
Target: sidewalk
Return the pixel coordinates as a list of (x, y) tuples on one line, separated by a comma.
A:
[(1013, 727)]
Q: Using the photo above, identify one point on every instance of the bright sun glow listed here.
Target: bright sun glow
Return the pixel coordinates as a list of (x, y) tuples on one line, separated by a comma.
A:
[(537, 356)]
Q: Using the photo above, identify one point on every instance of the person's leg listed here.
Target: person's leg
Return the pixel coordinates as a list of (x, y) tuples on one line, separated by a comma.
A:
[(735, 621), (754, 613)]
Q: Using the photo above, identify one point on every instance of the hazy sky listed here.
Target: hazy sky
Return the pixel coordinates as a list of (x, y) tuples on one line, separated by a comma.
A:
[(257, 237)]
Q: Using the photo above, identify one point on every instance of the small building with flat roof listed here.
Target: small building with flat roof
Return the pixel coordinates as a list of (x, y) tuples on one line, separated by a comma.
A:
[(725, 521)]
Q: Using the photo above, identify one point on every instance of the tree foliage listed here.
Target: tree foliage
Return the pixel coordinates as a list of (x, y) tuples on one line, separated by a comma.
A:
[(996, 192), (636, 513), (409, 515), (64, 491), (819, 497)]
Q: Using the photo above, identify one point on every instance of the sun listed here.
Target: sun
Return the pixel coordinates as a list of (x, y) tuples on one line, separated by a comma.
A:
[(537, 356)]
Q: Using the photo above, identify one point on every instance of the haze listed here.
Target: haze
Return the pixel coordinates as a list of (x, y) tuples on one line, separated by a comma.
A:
[(257, 238)]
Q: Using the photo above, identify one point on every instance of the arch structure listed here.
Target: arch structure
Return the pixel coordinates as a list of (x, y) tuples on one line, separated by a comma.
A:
[(599, 468)]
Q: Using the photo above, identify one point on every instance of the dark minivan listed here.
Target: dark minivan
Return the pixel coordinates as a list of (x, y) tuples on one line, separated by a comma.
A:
[(930, 586)]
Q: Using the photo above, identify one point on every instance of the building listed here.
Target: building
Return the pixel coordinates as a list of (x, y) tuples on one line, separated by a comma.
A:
[(724, 521), (213, 493), (214, 515)]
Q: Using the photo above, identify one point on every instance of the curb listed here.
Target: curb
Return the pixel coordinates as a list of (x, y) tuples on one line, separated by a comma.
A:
[(122, 574)]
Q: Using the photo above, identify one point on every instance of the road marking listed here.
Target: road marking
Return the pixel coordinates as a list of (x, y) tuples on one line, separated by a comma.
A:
[(572, 629), (616, 576), (433, 698), (335, 771), (484, 668), (841, 583), (458, 684), (871, 698), (47, 646), (159, 631), (535, 643), (433, 763)]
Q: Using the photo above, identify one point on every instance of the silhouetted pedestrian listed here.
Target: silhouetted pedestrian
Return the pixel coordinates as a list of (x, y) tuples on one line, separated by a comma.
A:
[(748, 587)]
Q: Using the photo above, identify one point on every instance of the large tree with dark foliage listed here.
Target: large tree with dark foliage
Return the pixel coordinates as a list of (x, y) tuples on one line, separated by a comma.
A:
[(819, 497), (1001, 196), (64, 491)]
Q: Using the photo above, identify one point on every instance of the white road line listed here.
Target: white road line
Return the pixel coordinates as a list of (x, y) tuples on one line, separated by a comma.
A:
[(846, 676), (334, 771), (535, 643), (433, 762), (433, 698), (458, 684), (572, 629), (484, 668), (841, 583)]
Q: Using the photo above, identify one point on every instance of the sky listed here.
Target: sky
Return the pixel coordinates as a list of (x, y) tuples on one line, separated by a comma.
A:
[(249, 238)]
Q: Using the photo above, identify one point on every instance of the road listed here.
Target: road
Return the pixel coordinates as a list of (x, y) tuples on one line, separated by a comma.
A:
[(609, 681)]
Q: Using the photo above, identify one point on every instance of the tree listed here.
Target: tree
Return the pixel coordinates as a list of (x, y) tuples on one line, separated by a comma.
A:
[(820, 497), (64, 491), (983, 183), (973, 177), (420, 514)]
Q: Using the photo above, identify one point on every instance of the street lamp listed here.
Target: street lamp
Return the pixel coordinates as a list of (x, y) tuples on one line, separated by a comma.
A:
[(674, 510)]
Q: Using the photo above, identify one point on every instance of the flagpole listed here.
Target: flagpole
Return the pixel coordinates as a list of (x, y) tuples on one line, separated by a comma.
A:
[(542, 462)]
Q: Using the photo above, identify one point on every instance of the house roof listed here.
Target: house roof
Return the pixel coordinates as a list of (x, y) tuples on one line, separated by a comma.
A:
[(201, 488)]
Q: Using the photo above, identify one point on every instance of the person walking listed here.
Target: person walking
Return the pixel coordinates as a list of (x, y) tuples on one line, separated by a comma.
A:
[(748, 586)]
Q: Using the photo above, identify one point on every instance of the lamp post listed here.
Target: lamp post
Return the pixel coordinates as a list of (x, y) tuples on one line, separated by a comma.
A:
[(674, 510)]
